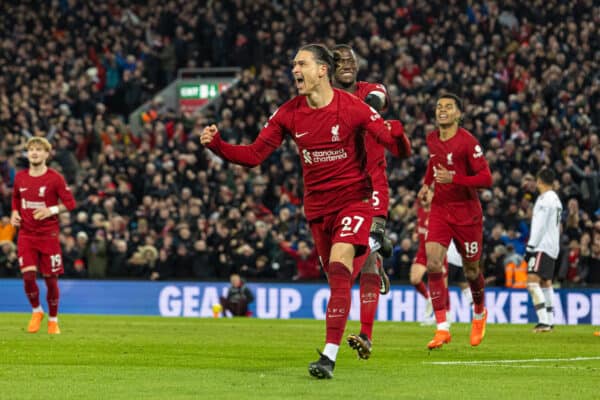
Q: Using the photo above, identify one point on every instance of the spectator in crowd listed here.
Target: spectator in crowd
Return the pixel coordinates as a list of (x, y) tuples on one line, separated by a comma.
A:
[(239, 296), (306, 259), (9, 264)]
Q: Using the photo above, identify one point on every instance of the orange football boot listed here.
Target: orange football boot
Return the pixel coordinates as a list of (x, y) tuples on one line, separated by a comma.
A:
[(440, 338), (53, 328), (35, 322), (478, 329)]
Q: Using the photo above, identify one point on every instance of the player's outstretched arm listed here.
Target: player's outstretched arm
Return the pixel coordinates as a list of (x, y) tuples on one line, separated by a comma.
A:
[(481, 179), (391, 135), (247, 155)]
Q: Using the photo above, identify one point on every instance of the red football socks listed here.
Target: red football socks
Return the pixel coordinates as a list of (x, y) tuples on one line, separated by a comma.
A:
[(437, 291), (338, 307), (31, 288), (421, 288), (477, 290), (369, 298), (53, 295)]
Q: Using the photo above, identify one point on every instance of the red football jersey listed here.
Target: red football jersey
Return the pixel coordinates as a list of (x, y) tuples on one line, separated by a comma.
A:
[(375, 151), (33, 192), (462, 156), (330, 141)]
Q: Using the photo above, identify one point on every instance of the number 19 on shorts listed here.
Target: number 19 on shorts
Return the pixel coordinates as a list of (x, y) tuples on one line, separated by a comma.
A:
[(55, 262)]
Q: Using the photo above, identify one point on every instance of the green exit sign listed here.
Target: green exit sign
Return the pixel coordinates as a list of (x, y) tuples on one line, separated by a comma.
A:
[(200, 91)]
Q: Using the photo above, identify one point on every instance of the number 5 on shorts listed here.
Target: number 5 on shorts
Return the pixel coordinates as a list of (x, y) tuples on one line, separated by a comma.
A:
[(375, 198)]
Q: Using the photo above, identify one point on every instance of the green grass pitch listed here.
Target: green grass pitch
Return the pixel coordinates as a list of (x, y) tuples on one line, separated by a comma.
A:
[(100, 357)]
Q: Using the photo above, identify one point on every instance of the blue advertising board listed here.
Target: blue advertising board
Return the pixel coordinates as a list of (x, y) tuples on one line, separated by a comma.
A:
[(289, 300)]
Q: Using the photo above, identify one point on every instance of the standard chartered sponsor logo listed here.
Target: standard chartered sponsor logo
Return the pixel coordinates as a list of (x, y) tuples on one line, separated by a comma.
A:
[(321, 156), (32, 204), (307, 157)]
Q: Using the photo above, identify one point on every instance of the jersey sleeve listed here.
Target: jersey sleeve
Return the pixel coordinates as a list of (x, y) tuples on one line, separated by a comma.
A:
[(64, 193), (269, 139), (476, 162), (428, 180), (16, 196), (389, 134)]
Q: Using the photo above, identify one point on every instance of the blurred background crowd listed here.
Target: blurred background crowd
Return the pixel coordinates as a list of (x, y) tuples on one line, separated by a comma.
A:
[(157, 205)]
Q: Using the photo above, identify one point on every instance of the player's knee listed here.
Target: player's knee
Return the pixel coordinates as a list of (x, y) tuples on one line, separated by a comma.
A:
[(471, 274), (434, 265), (415, 279), (29, 276), (471, 270)]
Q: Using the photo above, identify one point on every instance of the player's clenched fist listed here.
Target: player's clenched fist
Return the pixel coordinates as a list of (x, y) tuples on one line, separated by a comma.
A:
[(208, 134), (423, 194), (15, 219)]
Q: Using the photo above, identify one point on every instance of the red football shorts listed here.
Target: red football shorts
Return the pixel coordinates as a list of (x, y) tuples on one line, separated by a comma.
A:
[(43, 252), (352, 224), (380, 200), (421, 256), (468, 238)]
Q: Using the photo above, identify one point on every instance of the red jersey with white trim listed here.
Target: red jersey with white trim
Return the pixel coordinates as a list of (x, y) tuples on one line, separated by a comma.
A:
[(463, 157), (330, 142), (33, 192), (375, 151)]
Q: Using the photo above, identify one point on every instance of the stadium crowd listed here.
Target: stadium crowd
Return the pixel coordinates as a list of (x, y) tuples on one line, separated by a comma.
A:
[(157, 205)]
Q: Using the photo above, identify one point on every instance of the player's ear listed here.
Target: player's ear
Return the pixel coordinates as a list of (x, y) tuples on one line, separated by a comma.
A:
[(323, 70), (459, 117)]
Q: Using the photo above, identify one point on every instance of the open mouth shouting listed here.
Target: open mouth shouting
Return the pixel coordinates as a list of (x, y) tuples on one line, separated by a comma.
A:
[(299, 82)]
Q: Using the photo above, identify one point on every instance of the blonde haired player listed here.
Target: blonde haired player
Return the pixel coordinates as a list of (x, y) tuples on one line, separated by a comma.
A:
[(35, 208)]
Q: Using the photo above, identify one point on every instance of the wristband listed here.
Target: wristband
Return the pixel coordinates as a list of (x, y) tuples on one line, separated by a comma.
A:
[(53, 210)]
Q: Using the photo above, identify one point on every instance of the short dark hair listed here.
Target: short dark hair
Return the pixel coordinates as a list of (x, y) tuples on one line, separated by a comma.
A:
[(457, 100), (322, 56), (341, 47), (546, 175)]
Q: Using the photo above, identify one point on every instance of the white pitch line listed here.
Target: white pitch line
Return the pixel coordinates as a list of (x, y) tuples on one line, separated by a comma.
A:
[(531, 360), (541, 367)]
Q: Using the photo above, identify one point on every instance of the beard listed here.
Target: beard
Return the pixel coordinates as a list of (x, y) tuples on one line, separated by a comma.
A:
[(345, 85)]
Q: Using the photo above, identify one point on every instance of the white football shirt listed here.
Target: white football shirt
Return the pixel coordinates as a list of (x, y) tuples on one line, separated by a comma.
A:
[(545, 224)]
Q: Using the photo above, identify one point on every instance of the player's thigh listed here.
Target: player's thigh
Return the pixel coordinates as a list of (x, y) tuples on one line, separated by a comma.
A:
[(542, 265), (51, 260), (352, 225), (27, 253), (438, 231), (380, 199), (468, 240), (322, 240), (417, 271)]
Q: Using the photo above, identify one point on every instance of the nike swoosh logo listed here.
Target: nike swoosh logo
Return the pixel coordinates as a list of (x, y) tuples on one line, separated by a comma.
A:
[(346, 234), (22, 189), (299, 135)]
